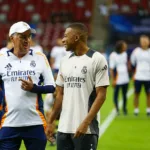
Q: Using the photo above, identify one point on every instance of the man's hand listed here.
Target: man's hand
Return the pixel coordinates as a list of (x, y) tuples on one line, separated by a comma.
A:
[(113, 83), (82, 129), (50, 132), (27, 85)]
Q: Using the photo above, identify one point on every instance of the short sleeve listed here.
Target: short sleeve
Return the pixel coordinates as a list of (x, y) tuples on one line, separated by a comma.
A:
[(53, 52), (60, 78), (47, 72), (101, 71), (133, 58), (112, 63)]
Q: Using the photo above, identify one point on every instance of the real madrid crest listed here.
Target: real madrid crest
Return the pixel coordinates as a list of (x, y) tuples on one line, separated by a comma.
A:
[(84, 70), (32, 64)]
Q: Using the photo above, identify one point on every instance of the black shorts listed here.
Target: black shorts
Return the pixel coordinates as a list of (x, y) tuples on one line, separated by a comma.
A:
[(138, 85), (65, 141)]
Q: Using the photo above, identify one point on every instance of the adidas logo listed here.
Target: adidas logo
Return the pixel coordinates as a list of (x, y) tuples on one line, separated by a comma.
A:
[(9, 66)]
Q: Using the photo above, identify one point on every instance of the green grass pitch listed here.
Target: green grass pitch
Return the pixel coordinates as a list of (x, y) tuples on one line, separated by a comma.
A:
[(125, 132)]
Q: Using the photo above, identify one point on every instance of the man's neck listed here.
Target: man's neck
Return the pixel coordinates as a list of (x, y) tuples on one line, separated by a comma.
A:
[(144, 48), (81, 49), (18, 54)]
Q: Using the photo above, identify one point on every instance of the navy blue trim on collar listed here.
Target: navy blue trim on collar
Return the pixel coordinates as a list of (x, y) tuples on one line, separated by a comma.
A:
[(10, 51), (89, 53), (73, 54)]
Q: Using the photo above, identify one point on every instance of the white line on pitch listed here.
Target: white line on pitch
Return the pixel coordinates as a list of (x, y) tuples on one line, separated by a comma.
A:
[(111, 116)]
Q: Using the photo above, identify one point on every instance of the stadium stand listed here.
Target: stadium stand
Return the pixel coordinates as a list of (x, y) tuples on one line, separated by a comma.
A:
[(132, 6), (48, 16)]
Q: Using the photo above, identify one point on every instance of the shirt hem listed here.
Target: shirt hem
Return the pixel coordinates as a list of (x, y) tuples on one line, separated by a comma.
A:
[(102, 85), (24, 125)]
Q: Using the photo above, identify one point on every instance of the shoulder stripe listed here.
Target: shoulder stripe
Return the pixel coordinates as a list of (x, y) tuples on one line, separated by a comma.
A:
[(41, 54), (90, 53), (72, 55)]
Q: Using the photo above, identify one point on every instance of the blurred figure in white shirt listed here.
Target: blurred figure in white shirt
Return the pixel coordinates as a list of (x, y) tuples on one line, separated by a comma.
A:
[(118, 62), (140, 59), (57, 53), (8, 46), (35, 46)]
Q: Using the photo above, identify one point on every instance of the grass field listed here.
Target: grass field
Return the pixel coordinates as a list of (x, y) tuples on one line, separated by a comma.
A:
[(125, 132)]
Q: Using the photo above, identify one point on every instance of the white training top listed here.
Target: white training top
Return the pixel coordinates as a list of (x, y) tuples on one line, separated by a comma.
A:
[(3, 50), (23, 108), (37, 48), (119, 63), (58, 52), (80, 75), (141, 60)]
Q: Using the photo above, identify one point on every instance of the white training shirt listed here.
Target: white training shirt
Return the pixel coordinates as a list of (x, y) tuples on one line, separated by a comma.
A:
[(37, 48), (48, 101), (80, 75), (141, 60), (3, 50), (119, 63), (23, 108), (58, 52)]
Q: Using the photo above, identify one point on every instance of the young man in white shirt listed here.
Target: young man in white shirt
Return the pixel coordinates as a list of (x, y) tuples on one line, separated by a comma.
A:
[(140, 59), (81, 91), (22, 72), (118, 63)]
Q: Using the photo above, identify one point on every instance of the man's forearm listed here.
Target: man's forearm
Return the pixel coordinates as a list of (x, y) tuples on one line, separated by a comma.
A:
[(112, 74), (95, 107), (56, 109), (43, 89)]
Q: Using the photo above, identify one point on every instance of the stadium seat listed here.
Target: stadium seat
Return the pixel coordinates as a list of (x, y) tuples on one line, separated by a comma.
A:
[(42, 11), (3, 17)]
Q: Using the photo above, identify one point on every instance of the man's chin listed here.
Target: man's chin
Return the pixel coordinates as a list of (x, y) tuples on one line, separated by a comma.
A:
[(24, 51)]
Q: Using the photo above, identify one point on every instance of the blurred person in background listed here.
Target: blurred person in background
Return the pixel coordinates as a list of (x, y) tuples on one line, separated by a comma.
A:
[(48, 104), (118, 63), (103, 52), (57, 53), (22, 72), (35, 46), (9, 46), (81, 91), (3, 50), (140, 60), (1, 99), (104, 10)]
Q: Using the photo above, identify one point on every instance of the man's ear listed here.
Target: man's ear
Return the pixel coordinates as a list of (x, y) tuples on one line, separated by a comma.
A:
[(77, 37), (11, 38)]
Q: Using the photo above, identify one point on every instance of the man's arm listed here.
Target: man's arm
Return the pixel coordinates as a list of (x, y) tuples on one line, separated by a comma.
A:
[(54, 113), (100, 98), (57, 104), (29, 86), (112, 75), (52, 61)]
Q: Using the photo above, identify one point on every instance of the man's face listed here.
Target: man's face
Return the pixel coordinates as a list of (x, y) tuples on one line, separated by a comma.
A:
[(124, 48), (144, 41), (70, 38), (22, 41)]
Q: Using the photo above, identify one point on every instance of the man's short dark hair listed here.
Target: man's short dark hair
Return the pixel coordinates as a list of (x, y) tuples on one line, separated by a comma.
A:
[(144, 36), (119, 45), (81, 28)]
